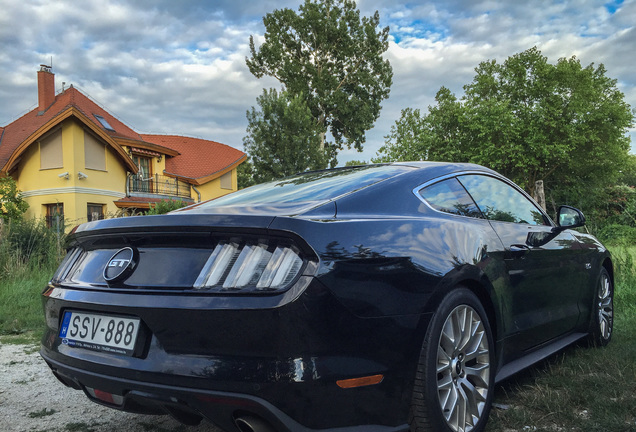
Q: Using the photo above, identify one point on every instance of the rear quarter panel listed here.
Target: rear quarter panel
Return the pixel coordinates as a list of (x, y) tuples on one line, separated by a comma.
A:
[(401, 266)]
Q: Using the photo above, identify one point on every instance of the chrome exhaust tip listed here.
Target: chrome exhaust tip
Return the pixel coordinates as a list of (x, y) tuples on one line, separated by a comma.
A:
[(249, 423)]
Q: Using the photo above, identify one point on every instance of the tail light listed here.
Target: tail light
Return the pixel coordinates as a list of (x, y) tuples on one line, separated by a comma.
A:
[(66, 264), (250, 267)]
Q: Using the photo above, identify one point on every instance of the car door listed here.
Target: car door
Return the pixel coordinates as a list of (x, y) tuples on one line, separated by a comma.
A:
[(542, 297)]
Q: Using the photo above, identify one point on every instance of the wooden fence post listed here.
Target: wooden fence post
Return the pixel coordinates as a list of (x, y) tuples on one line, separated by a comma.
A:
[(539, 194)]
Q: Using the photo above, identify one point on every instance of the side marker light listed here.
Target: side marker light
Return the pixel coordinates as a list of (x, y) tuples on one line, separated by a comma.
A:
[(360, 382)]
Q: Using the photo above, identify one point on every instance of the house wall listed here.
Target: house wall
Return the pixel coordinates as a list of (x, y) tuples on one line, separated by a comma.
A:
[(45, 186), (213, 189), (159, 167)]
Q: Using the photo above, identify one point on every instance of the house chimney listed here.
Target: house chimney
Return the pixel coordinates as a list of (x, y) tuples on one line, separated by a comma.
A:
[(46, 88)]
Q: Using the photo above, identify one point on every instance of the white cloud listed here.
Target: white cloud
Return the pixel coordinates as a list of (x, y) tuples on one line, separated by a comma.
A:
[(179, 67)]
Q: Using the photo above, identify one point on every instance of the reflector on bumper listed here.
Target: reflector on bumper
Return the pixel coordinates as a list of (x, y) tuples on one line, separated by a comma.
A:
[(106, 397)]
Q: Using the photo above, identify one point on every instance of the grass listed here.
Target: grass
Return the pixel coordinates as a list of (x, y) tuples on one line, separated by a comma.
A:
[(29, 254), (29, 338), (580, 389), (45, 412), (20, 303)]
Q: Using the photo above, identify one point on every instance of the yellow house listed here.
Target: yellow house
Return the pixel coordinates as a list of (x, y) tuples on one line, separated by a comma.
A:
[(75, 162)]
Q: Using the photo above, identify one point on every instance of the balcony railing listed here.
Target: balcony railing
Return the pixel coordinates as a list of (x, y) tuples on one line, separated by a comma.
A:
[(158, 185)]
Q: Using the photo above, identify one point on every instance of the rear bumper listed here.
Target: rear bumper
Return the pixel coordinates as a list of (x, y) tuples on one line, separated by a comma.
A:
[(188, 404), (281, 364)]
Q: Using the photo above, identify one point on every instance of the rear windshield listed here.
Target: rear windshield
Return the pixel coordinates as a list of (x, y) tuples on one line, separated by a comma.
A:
[(313, 186)]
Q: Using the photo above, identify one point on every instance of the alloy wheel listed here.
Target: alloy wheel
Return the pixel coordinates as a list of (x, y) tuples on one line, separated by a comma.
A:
[(463, 369), (605, 307)]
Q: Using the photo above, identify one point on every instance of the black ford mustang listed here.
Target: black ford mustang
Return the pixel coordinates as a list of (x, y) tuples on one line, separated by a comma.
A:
[(376, 298)]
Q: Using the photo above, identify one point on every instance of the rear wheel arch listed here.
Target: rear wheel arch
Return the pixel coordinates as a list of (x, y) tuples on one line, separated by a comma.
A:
[(484, 296), (428, 408), (477, 282)]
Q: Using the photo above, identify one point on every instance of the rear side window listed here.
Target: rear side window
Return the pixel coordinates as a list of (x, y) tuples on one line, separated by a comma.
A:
[(449, 196), (499, 201)]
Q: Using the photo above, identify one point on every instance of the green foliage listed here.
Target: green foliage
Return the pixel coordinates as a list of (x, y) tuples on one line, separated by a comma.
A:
[(438, 135), (627, 175), (353, 163), (616, 234), (408, 139), (283, 138), (245, 175), (616, 205), (564, 124), (333, 57), (165, 206), (44, 412), (605, 207), (29, 254), (623, 255), (26, 245), (12, 205), (21, 302)]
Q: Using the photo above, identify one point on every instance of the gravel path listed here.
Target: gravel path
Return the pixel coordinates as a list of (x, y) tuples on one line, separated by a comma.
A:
[(32, 399)]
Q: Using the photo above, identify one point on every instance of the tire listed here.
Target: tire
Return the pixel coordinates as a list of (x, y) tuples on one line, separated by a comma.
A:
[(454, 384), (602, 322)]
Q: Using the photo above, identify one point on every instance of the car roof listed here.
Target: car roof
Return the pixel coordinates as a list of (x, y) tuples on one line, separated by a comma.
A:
[(305, 191)]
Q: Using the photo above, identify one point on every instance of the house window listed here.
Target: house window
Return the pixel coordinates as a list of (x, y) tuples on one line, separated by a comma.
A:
[(145, 166), (94, 212), (55, 216), (226, 180), (51, 150), (143, 179), (94, 153), (104, 122)]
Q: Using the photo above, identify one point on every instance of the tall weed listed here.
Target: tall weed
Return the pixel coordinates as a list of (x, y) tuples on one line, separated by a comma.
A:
[(26, 246), (29, 254), (625, 279)]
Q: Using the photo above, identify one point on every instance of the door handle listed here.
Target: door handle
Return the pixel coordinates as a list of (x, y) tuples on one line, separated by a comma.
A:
[(517, 250)]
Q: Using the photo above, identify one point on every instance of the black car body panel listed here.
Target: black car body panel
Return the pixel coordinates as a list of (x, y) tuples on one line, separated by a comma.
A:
[(376, 262)]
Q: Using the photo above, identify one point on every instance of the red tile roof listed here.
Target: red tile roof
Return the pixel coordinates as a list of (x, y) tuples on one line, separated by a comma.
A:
[(194, 160), (199, 160), (31, 123)]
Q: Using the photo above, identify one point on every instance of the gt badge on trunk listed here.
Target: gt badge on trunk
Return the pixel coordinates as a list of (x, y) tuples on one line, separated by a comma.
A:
[(121, 265)]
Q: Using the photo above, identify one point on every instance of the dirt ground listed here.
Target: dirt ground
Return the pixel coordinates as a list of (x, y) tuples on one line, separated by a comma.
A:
[(32, 399)]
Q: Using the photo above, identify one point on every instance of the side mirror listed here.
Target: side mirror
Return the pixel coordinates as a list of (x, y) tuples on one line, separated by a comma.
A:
[(569, 217)]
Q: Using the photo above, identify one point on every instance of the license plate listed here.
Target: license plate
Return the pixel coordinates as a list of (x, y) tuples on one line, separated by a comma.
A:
[(99, 332)]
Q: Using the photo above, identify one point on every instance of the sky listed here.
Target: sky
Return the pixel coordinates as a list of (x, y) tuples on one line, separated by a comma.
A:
[(178, 66)]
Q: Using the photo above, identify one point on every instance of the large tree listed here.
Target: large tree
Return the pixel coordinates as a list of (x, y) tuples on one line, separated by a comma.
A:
[(333, 57), (531, 120), (434, 136), (283, 138)]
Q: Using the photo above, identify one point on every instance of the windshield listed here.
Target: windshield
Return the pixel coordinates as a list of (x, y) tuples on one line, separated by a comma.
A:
[(313, 186)]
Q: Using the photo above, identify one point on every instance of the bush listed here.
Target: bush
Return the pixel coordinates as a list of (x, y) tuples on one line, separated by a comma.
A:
[(165, 206), (26, 245), (617, 234), (12, 205)]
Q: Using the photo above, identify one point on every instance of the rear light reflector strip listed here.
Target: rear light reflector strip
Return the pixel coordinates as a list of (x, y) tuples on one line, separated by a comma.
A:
[(251, 267)]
